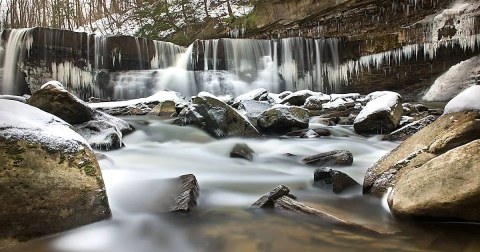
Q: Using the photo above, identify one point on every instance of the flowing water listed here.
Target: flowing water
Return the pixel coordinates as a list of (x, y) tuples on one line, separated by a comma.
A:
[(222, 220)]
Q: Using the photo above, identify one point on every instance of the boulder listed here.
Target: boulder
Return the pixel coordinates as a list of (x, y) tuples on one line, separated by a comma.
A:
[(408, 130), (54, 99), (446, 187), (337, 157), (298, 98), (315, 102), (49, 177), (340, 104), (339, 180), (381, 115), (241, 150), (253, 109), (164, 108), (184, 195), (217, 118), (447, 132), (281, 119)]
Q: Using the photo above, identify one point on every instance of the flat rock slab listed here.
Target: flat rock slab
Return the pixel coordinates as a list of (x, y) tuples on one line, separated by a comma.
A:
[(338, 157), (446, 187)]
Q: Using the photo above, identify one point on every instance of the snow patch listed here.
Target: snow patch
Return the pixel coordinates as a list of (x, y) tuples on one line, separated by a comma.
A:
[(159, 96), (466, 100)]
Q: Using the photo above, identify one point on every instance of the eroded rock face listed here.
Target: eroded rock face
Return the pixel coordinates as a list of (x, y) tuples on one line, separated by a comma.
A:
[(381, 115), (165, 108), (447, 132), (445, 187), (49, 177)]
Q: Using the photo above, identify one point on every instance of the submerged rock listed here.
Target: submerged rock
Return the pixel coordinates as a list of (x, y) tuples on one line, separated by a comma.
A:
[(408, 130), (446, 187), (50, 178), (339, 180), (241, 150), (281, 119), (306, 133), (338, 157), (381, 115), (447, 132)]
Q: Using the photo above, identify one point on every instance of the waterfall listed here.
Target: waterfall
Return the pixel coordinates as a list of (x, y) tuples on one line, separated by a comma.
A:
[(18, 41)]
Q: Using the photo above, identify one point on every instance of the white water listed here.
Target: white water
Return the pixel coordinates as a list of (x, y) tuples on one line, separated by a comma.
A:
[(157, 150), (18, 41)]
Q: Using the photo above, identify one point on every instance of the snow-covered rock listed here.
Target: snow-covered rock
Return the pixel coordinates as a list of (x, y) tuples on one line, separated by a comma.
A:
[(298, 98), (253, 109), (455, 80), (144, 104), (339, 104), (252, 95), (467, 100), (48, 173), (381, 114), (102, 131), (315, 102)]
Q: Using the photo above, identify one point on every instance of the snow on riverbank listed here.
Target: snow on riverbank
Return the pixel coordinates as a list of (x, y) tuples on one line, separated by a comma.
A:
[(22, 121), (467, 100)]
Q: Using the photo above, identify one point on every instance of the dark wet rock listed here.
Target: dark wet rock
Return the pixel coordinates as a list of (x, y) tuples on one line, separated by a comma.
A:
[(298, 98), (284, 94), (165, 108), (184, 196), (217, 118), (335, 114), (101, 134), (408, 130), (437, 112), (305, 133), (54, 99), (268, 200), (49, 182), (242, 150), (381, 115), (446, 187), (339, 180), (281, 119), (444, 134), (420, 107), (338, 157), (346, 120)]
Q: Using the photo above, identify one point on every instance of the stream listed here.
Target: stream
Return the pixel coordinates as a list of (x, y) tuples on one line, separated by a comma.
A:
[(222, 220)]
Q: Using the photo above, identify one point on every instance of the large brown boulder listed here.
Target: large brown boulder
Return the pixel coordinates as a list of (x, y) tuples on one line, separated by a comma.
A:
[(54, 99), (446, 133), (446, 187), (50, 180), (282, 119)]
